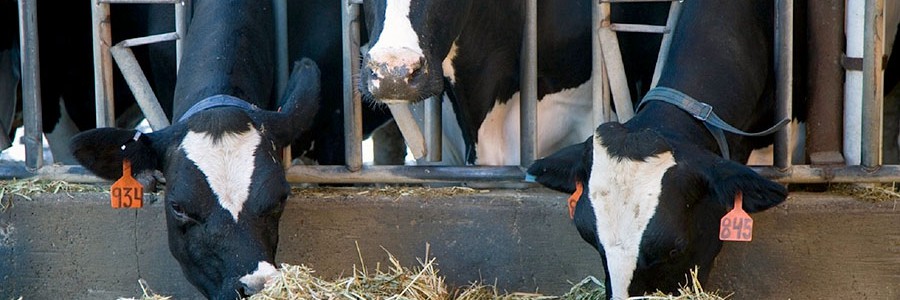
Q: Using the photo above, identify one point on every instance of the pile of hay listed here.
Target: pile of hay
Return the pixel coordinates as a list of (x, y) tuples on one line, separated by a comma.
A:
[(694, 291), (299, 282), (389, 191), (398, 282), (876, 192), (26, 188)]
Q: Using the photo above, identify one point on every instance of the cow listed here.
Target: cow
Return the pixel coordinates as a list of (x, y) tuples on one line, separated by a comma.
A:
[(471, 50), (226, 186), (649, 193)]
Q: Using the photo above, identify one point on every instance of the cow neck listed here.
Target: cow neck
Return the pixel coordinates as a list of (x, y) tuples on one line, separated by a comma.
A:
[(216, 101), (705, 114)]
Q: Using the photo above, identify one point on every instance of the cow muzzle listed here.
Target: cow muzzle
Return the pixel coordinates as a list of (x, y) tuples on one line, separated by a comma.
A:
[(255, 281), (394, 73)]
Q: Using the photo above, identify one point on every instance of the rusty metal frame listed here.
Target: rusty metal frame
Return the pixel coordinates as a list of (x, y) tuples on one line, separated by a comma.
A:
[(870, 170)]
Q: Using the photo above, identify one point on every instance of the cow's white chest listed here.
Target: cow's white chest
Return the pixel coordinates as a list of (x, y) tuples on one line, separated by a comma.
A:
[(624, 194), (563, 118), (227, 164)]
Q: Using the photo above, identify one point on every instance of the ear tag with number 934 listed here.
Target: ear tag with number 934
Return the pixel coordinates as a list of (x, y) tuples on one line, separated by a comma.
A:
[(127, 192), (737, 225)]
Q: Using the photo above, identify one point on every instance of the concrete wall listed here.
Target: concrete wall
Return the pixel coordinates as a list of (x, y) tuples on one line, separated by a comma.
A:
[(811, 247)]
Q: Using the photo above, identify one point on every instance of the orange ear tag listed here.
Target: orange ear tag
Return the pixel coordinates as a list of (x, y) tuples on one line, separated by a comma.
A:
[(573, 199), (736, 226), (127, 192)]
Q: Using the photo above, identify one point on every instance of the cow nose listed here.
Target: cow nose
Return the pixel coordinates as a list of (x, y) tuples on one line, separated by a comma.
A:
[(255, 281), (393, 69), (247, 290)]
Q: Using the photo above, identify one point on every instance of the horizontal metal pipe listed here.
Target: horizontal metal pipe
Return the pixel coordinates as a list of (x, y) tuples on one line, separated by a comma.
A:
[(140, 87), (404, 174), (840, 174), (626, 1), (141, 1), (156, 38), (426, 174), (623, 27)]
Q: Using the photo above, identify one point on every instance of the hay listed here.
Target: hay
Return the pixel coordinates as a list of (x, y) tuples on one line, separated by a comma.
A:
[(389, 191), (148, 294), (399, 283), (30, 187), (867, 192), (26, 188), (693, 291)]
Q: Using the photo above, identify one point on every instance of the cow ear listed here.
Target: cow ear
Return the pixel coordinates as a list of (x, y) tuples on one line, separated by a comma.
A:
[(729, 177), (298, 107), (101, 151), (562, 169)]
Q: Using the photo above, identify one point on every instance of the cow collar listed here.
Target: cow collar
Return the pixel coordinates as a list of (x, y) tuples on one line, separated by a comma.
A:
[(214, 101), (704, 112)]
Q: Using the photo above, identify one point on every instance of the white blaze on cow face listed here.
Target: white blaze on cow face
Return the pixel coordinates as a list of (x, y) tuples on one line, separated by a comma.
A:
[(564, 118), (257, 279), (227, 164), (398, 43), (624, 194)]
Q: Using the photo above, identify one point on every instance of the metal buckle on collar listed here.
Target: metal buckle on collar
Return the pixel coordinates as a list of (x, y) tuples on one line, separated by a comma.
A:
[(704, 112)]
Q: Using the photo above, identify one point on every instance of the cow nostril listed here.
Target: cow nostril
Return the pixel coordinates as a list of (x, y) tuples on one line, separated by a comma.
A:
[(247, 290), (416, 71)]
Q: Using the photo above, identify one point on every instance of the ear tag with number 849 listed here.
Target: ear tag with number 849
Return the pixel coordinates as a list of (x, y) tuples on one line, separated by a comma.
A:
[(737, 225), (127, 192)]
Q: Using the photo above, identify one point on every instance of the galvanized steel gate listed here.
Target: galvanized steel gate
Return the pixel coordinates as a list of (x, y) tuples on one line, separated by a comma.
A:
[(605, 84)]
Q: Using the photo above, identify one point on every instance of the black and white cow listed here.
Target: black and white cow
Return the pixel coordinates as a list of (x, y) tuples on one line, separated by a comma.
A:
[(471, 49), (226, 187), (649, 193)]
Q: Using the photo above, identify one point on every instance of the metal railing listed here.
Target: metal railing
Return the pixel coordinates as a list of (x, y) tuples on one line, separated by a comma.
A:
[(354, 171)]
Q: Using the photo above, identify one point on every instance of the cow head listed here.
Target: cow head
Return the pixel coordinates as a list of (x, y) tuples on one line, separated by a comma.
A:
[(409, 41), (651, 206), (225, 188)]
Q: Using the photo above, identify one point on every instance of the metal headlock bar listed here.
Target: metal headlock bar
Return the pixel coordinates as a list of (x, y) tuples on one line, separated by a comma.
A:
[(607, 69)]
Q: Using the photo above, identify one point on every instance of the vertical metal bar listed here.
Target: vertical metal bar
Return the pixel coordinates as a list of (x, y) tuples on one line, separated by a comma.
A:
[(103, 80), (180, 30), (612, 58), (784, 65), (31, 84), (140, 87), (528, 86), (352, 101), (281, 61), (433, 127), (873, 94), (674, 13), (825, 86), (281, 46), (598, 77)]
